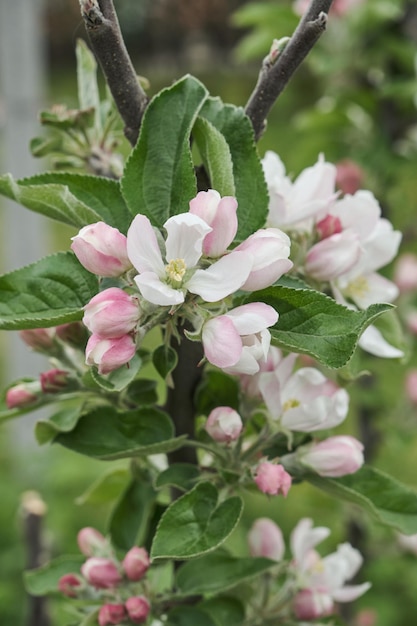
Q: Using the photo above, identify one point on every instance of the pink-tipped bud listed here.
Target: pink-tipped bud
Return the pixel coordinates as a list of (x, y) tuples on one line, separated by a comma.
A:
[(136, 563), (271, 478), (109, 354), (310, 604), (265, 539), (138, 609), (101, 573), (39, 339), (111, 614), (220, 214), (54, 381), (90, 541), (411, 386), (333, 457), (405, 275), (23, 394), (111, 313), (329, 225), (102, 250), (224, 424), (333, 256), (349, 176), (69, 585)]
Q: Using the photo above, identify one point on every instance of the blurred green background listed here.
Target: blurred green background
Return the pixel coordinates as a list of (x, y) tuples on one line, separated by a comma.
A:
[(356, 98)]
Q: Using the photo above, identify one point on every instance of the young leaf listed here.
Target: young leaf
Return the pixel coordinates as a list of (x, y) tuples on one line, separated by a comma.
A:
[(44, 580), (195, 524), (226, 611), (88, 94), (181, 475), (216, 156), (385, 498), (217, 389), (190, 616), (159, 179), (106, 434), (165, 360), (219, 571), (63, 421), (249, 180), (106, 488), (130, 518), (49, 292), (312, 323)]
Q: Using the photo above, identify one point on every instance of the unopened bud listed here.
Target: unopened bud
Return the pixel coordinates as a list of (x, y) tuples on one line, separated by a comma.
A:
[(54, 381), (109, 354), (102, 250), (405, 274), (224, 424), (138, 609), (111, 313), (310, 604), (271, 478), (333, 457), (329, 225), (39, 339), (90, 541), (111, 614), (101, 573), (265, 539), (136, 563), (69, 585), (349, 176), (23, 394)]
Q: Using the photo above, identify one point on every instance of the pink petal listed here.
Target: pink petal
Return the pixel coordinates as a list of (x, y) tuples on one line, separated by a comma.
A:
[(221, 341), (142, 247)]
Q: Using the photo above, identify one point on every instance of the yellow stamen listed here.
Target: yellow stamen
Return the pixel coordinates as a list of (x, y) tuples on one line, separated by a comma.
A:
[(358, 287), (175, 270), (291, 404)]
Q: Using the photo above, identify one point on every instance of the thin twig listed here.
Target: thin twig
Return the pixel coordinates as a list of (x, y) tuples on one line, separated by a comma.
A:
[(109, 48), (277, 70)]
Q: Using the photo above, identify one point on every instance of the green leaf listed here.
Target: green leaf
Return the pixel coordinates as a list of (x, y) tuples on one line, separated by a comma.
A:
[(106, 488), (249, 180), (49, 292), (190, 616), (386, 499), (195, 524), (180, 475), (227, 611), (143, 392), (106, 434), (312, 323), (63, 421), (165, 360), (216, 156), (88, 94), (44, 580), (159, 179), (219, 571), (117, 380), (217, 389), (130, 518)]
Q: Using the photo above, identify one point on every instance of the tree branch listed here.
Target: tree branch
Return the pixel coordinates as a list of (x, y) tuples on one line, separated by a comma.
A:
[(109, 48), (277, 70)]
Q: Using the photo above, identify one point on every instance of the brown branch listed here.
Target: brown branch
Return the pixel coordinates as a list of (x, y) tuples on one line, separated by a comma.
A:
[(109, 48), (276, 71)]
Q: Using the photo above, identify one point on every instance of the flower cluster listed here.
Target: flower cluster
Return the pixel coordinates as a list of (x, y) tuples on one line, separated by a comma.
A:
[(314, 584), (117, 586)]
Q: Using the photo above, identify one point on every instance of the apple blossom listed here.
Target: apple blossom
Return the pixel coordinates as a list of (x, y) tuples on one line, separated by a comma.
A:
[(101, 572), (54, 380), (310, 604), (333, 256), (327, 226), (69, 585), (270, 248), (265, 539), (238, 340), (23, 394), (224, 424), (111, 313), (136, 563), (164, 279), (333, 457), (101, 249), (111, 614), (90, 541), (109, 354), (138, 608), (271, 478), (220, 214)]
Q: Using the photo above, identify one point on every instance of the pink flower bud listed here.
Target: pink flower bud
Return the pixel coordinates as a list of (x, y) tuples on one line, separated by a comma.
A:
[(101, 249), (272, 479), (220, 214), (54, 381), (224, 424), (109, 354), (39, 339), (111, 313), (265, 539), (333, 256), (136, 563), (22, 394), (411, 386), (90, 541), (349, 176), (111, 614), (405, 275), (101, 573), (329, 225), (411, 321), (366, 617), (138, 609), (270, 248), (310, 604), (69, 584), (335, 456)]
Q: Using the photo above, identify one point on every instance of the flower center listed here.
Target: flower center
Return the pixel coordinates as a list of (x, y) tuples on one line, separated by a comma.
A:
[(292, 403), (358, 287), (175, 271)]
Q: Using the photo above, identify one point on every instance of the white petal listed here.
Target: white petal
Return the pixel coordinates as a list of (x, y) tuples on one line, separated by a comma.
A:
[(372, 289), (373, 342), (304, 537), (157, 292), (142, 247), (185, 238), (253, 318), (350, 592), (222, 278)]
